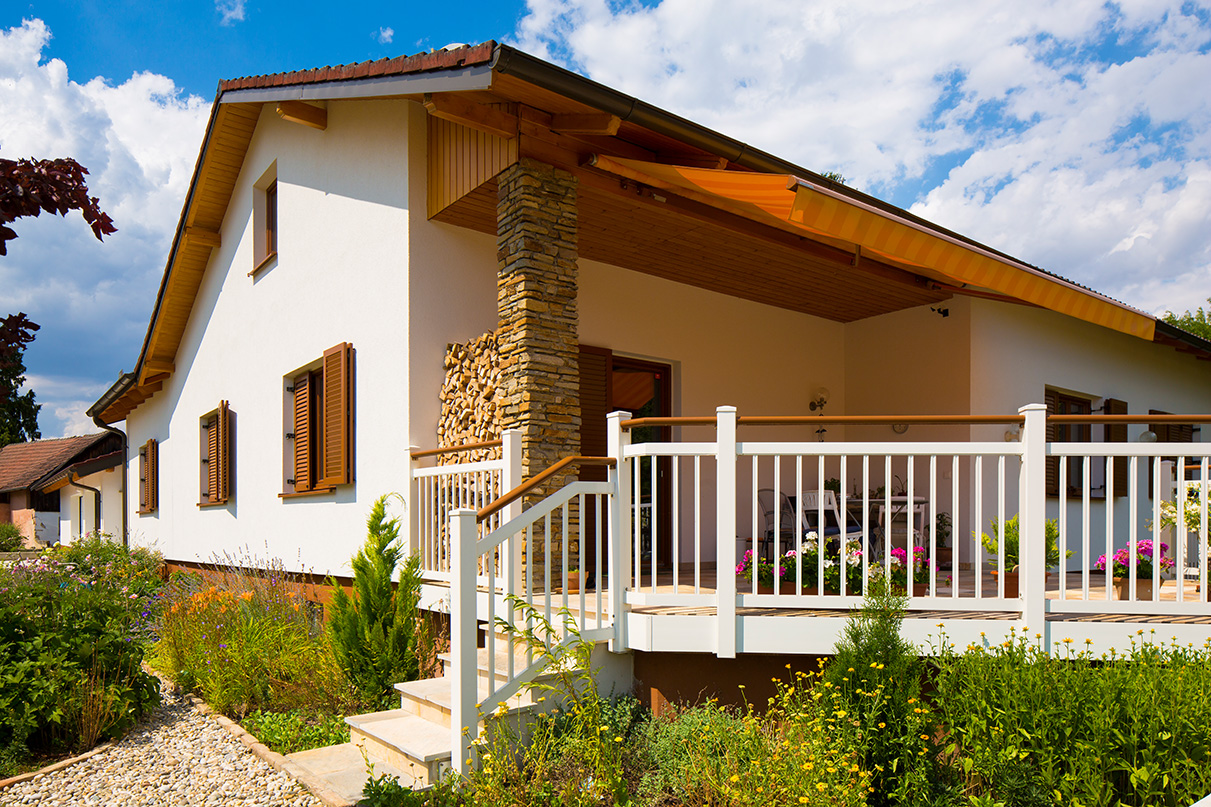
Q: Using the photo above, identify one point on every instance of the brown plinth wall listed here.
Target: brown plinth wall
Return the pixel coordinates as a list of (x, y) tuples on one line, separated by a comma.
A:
[(689, 678)]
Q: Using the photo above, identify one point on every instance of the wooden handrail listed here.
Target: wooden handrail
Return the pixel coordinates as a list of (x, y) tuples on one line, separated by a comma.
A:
[(1129, 419), (808, 420), (635, 423), (433, 452), (536, 480)]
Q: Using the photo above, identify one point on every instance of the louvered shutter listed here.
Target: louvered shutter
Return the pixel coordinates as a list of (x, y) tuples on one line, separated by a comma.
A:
[(303, 460), (212, 460), (1117, 433), (151, 476), (224, 452), (337, 433), (1167, 433), (1053, 463)]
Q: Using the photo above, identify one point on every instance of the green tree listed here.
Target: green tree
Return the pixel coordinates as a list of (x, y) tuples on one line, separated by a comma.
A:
[(18, 412), (373, 632), (1197, 322)]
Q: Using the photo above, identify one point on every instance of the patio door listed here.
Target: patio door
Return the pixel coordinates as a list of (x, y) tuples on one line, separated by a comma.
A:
[(609, 383)]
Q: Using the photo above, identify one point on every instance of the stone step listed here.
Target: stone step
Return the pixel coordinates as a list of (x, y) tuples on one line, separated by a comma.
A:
[(404, 740), (431, 698), (502, 662), (343, 770)]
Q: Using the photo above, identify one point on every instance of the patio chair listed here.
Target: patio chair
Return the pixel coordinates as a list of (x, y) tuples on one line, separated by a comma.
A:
[(832, 518), (768, 499)]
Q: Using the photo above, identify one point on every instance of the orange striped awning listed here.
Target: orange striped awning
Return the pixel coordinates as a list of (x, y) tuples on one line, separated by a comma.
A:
[(788, 202)]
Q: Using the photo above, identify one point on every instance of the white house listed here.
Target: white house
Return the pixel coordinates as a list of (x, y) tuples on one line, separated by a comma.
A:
[(423, 252)]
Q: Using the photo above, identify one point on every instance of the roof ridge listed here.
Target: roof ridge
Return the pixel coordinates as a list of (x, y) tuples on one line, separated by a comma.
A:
[(391, 66)]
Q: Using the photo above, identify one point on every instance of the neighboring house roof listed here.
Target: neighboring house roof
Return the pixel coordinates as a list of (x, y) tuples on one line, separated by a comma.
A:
[(23, 464), (62, 477), (516, 97)]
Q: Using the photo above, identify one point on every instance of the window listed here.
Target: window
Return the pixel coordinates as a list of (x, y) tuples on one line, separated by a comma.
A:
[(320, 423), (1166, 433), (265, 220), (271, 219), (149, 477), (1059, 403), (216, 487)]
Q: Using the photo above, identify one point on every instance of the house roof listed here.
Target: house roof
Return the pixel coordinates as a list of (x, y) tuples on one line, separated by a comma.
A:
[(63, 477), (23, 464), (568, 120)]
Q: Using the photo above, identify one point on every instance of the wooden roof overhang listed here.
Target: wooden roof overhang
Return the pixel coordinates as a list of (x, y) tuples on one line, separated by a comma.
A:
[(491, 105)]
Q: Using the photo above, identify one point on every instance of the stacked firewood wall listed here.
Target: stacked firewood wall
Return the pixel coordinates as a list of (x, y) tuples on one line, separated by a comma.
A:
[(470, 411)]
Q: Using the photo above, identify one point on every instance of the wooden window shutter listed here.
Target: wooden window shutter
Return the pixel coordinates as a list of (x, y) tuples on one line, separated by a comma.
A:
[(1117, 433), (218, 456), (1053, 463), (336, 453), (271, 219), (303, 460), (150, 488), (1167, 433), (595, 365)]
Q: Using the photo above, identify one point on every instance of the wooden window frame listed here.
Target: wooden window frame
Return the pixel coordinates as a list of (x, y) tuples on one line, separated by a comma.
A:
[(217, 485), (320, 425), (149, 477), (265, 221)]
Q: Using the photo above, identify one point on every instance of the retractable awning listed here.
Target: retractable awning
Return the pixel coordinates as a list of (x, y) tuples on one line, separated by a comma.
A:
[(787, 202)]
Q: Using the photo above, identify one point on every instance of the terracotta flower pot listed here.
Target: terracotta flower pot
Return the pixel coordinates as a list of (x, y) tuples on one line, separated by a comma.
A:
[(573, 585), (920, 589), (1143, 588), (1011, 584)]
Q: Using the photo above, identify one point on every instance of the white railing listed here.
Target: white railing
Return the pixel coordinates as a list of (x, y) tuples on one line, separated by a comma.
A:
[(438, 490), (519, 598), (1097, 524), (765, 499)]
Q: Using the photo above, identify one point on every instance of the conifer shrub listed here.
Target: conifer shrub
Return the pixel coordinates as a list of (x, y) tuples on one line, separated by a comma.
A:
[(374, 632)]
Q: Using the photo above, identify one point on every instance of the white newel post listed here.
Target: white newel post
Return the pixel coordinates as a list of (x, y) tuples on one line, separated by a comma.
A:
[(619, 518), (510, 477), (464, 717), (412, 534), (1032, 530), (725, 530)]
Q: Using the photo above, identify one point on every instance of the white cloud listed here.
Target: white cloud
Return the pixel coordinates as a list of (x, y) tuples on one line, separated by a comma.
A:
[(139, 140), (230, 11), (385, 35), (1071, 133)]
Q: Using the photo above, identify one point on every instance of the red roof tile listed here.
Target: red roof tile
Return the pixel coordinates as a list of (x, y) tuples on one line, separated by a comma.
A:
[(22, 464), (400, 65)]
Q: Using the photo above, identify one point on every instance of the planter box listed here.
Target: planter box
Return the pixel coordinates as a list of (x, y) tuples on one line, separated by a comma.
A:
[(1143, 588)]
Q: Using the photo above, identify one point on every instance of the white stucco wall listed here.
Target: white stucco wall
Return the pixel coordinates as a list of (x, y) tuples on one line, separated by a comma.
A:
[(341, 275), (1019, 351), (77, 513)]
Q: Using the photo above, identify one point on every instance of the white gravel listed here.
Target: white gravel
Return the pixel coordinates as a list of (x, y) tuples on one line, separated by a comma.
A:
[(177, 756)]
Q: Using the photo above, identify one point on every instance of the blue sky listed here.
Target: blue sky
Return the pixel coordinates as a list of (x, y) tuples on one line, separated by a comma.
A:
[(1074, 134)]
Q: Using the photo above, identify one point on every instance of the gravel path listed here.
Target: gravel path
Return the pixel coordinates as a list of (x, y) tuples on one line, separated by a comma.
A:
[(176, 757)]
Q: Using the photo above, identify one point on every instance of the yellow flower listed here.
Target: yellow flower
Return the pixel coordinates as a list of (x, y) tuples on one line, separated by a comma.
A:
[(735, 778), (821, 786)]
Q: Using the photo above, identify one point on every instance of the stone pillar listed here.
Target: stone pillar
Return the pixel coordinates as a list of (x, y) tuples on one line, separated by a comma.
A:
[(539, 388)]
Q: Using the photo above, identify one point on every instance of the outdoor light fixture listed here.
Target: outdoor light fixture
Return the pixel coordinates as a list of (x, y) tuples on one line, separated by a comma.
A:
[(1012, 435), (1148, 437), (899, 428), (819, 398)]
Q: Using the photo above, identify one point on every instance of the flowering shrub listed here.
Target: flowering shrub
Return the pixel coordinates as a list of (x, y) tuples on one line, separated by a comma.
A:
[(899, 566), (809, 556), (73, 623), (1192, 509), (764, 568), (245, 641), (1121, 560)]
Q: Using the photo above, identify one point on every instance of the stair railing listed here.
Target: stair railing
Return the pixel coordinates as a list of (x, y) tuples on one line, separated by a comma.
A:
[(510, 601)]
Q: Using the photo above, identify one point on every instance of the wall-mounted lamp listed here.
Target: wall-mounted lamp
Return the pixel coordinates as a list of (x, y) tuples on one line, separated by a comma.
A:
[(941, 312), (1012, 435), (899, 428), (1148, 437), (819, 398)]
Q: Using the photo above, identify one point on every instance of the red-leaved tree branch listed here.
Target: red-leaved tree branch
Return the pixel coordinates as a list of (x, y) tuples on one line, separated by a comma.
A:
[(27, 187)]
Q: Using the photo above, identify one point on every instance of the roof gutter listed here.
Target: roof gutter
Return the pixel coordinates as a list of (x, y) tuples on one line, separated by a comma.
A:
[(1173, 332)]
